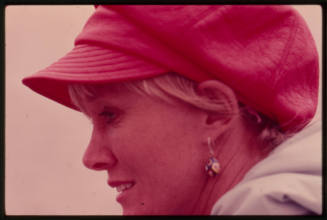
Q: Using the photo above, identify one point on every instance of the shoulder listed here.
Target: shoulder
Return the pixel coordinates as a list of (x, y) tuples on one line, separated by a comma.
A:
[(280, 194), (287, 182)]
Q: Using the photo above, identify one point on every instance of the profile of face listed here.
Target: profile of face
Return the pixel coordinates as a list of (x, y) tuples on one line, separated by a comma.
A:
[(152, 150)]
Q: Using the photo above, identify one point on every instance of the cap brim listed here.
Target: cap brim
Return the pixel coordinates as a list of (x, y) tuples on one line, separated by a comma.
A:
[(88, 64)]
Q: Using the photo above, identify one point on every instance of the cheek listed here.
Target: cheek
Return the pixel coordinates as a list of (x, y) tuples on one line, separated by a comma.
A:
[(162, 155), (162, 142), (157, 148), (140, 148)]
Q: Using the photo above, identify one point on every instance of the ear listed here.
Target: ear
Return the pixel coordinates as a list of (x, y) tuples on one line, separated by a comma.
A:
[(223, 106)]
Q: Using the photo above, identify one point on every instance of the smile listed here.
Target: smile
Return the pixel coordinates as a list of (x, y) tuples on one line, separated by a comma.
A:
[(124, 187), (121, 186)]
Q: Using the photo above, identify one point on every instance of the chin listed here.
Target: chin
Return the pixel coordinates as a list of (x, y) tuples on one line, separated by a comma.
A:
[(136, 211), (143, 211), (147, 211)]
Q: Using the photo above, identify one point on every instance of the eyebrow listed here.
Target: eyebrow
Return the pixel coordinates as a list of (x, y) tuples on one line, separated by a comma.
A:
[(105, 108)]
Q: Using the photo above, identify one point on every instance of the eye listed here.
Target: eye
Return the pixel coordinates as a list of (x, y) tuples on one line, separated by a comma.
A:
[(109, 116)]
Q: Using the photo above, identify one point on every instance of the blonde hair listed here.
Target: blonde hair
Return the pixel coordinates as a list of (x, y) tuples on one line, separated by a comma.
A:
[(172, 86)]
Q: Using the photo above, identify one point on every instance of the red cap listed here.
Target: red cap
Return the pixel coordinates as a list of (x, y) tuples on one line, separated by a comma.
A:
[(266, 54)]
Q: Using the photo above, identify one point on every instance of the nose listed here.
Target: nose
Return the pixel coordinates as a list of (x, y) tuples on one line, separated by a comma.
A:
[(98, 155)]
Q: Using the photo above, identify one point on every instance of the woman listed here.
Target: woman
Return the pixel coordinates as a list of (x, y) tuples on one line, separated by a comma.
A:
[(192, 106)]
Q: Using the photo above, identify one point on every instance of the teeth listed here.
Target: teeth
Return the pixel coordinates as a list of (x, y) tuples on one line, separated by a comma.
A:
[(123, 187)]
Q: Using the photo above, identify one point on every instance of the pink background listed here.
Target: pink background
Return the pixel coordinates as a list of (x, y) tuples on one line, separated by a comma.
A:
[(44, 140)]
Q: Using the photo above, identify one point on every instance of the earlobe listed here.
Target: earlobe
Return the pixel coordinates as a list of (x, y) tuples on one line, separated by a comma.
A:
[(223, 103)]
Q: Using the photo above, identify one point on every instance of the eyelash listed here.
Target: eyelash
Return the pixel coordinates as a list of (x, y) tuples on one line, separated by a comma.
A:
[(110, 116)]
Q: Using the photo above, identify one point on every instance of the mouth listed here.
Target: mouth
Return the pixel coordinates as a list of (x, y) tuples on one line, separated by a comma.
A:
[(121, 186)]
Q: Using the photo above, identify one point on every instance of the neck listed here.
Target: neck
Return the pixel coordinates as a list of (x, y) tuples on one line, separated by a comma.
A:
[(236, 156)]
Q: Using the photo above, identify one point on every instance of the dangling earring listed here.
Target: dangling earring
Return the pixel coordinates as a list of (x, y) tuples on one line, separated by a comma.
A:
[(212, 167)]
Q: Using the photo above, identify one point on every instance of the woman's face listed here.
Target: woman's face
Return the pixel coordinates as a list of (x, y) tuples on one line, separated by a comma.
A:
[(153, 151)]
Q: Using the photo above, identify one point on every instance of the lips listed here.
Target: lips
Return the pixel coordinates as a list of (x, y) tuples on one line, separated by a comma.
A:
[(121, 186), (124, 187)]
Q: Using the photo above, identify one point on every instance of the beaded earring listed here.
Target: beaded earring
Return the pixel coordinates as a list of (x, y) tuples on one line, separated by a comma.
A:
[(212, 167)]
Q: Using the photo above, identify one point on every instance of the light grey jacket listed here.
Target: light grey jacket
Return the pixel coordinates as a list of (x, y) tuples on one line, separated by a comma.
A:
[(287, 182)]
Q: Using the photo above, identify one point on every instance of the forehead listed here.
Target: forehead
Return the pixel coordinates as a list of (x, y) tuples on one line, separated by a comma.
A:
[(125, 96), (114, 91), (90, 97)]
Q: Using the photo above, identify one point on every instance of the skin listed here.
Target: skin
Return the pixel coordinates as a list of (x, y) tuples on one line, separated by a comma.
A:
[(162, 148)]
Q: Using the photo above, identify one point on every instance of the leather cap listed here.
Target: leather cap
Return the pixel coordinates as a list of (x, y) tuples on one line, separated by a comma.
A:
[(266, 54)]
